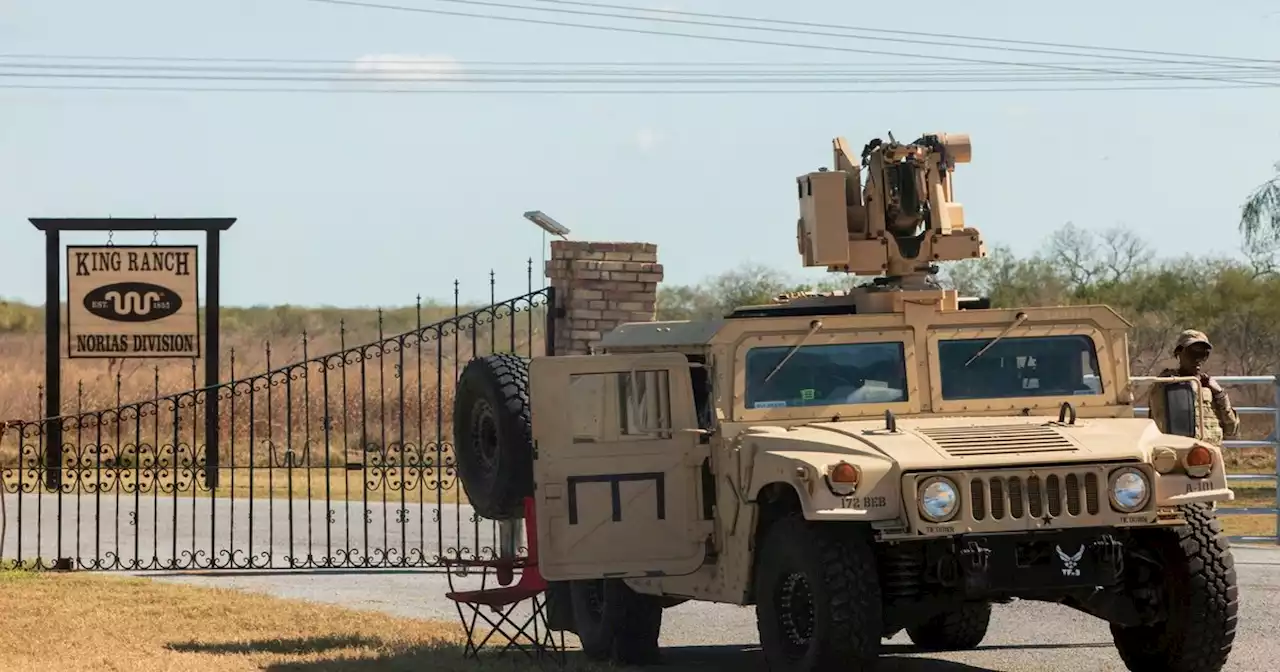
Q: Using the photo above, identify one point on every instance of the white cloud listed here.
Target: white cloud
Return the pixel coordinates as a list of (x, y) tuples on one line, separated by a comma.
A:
[(419, 67), (646, 140)]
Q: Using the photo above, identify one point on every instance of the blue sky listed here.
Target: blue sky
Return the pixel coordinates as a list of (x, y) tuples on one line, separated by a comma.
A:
[(362, 200)]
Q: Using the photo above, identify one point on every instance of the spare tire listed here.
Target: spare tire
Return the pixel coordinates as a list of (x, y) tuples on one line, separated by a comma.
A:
[(492, 435)]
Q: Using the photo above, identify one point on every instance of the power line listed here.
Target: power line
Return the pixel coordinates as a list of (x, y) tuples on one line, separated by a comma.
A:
[(440, 68), (443, 91), (423, 60), (825, 33), (554, 77), (887, 31), (423, 10)]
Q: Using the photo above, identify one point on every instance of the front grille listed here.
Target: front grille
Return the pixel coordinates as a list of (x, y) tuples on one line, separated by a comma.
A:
[(1021, 497), (997, 440)]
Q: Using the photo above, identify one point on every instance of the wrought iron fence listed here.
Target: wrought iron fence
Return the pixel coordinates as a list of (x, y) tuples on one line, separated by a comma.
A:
[(340, 460), (1271, 442)]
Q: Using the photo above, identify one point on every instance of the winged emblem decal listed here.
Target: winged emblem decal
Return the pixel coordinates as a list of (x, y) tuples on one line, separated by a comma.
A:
[(1070, 563)]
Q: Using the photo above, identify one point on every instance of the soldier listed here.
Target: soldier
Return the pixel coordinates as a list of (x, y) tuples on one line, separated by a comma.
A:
[(1192, 350)]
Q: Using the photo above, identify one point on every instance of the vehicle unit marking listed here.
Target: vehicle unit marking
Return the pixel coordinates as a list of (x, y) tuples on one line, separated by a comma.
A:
[(1070, 563), (869, 502)]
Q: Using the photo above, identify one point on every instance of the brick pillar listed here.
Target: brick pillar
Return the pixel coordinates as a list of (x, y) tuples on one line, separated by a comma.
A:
[(599, 286)]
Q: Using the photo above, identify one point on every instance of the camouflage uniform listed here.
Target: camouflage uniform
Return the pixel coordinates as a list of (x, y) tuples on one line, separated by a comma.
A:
[(1219, 418)]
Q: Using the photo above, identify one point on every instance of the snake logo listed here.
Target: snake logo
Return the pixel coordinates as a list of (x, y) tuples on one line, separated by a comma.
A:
[(132, 302)]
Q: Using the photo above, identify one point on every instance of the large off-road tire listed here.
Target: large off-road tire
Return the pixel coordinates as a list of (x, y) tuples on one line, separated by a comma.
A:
[(492, 438), (615, 623), (818, 604), (1199, 579), (953, 630)]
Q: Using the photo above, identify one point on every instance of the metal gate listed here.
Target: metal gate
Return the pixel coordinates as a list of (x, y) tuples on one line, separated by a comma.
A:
[(342, 460)]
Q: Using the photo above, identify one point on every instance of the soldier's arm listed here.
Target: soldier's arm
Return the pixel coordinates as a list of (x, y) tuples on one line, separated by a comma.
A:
[(1227, 415)]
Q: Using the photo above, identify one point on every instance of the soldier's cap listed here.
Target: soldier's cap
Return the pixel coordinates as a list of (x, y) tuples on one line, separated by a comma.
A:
[(1189, 338)]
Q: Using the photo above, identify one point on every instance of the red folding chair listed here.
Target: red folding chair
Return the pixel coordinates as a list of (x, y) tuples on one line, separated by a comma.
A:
[(504, 600)]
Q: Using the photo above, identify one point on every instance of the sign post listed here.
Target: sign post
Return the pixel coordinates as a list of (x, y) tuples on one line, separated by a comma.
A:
[(131, 301)]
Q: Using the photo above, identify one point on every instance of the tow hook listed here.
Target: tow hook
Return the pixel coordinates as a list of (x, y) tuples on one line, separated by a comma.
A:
[(1109, 551), (977, 557)]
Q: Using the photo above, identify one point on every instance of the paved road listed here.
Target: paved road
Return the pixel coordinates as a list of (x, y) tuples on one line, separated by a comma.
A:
[(1024, 636)]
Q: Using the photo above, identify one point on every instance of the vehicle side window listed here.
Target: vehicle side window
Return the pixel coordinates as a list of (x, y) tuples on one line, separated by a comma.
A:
[(626, 406), (644, 408), (588, 406)]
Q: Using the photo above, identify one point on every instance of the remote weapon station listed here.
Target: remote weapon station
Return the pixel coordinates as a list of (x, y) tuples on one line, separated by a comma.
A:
[(894, 457)]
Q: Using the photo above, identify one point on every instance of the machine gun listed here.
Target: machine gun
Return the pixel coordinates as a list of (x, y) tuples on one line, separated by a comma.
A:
[(897, 226)]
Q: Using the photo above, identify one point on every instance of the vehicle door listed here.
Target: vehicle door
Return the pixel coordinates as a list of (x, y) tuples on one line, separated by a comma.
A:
[(617, 463)]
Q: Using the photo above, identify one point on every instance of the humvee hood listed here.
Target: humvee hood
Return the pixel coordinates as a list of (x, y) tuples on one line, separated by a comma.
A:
[(965, 442)]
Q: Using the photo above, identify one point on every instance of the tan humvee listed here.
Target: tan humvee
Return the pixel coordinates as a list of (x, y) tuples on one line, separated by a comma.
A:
[(897, 457)]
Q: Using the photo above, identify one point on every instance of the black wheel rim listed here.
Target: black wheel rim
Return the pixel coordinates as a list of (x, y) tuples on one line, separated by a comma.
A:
[(797, 614), (484, 435)]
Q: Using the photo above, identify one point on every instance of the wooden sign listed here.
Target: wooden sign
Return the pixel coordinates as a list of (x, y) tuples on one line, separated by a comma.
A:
[(132, 301)]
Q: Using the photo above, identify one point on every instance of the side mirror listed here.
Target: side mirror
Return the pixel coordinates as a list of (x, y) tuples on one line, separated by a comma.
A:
[(1181, 408)]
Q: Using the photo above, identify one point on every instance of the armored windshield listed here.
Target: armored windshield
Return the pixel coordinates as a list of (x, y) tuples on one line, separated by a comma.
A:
[(1030, 366), (822, 375)]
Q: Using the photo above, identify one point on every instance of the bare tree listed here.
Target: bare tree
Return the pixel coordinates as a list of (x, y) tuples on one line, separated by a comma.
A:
[(1260, 214), (1123, 254), (1075, 252), (1086, 257)]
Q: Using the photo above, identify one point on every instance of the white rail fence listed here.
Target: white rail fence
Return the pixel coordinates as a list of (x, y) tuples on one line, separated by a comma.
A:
[(1270, 442)]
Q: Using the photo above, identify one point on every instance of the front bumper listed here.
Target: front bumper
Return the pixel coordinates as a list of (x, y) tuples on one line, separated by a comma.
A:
[(1037, 563)]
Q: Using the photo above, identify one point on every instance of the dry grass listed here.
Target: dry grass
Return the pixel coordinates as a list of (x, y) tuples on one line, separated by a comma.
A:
[(387, 403), (122, 624), (261, 339), (335, 484), (1254, 496), (1249, 526)]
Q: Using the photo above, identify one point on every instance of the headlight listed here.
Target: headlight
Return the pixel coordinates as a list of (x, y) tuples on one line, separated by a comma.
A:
[(939, 499), (1129, 489)]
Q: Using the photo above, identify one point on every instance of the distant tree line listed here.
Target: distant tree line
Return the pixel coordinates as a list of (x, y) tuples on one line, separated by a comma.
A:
[(1235, 300)]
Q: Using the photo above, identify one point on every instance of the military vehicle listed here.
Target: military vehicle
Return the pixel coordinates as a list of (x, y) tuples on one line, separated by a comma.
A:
[(894, 457)]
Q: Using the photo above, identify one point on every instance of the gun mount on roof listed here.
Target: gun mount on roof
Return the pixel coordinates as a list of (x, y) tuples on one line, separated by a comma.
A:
[(900, 223)]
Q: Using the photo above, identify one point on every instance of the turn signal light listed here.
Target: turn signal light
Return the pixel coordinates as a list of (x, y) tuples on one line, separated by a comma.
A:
[(844, 474), (1198, 461), (1199, 457), (842, 479)]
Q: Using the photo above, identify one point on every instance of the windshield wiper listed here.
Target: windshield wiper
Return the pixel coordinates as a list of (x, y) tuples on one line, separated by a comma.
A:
[(1017, 320), (814, 326)]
